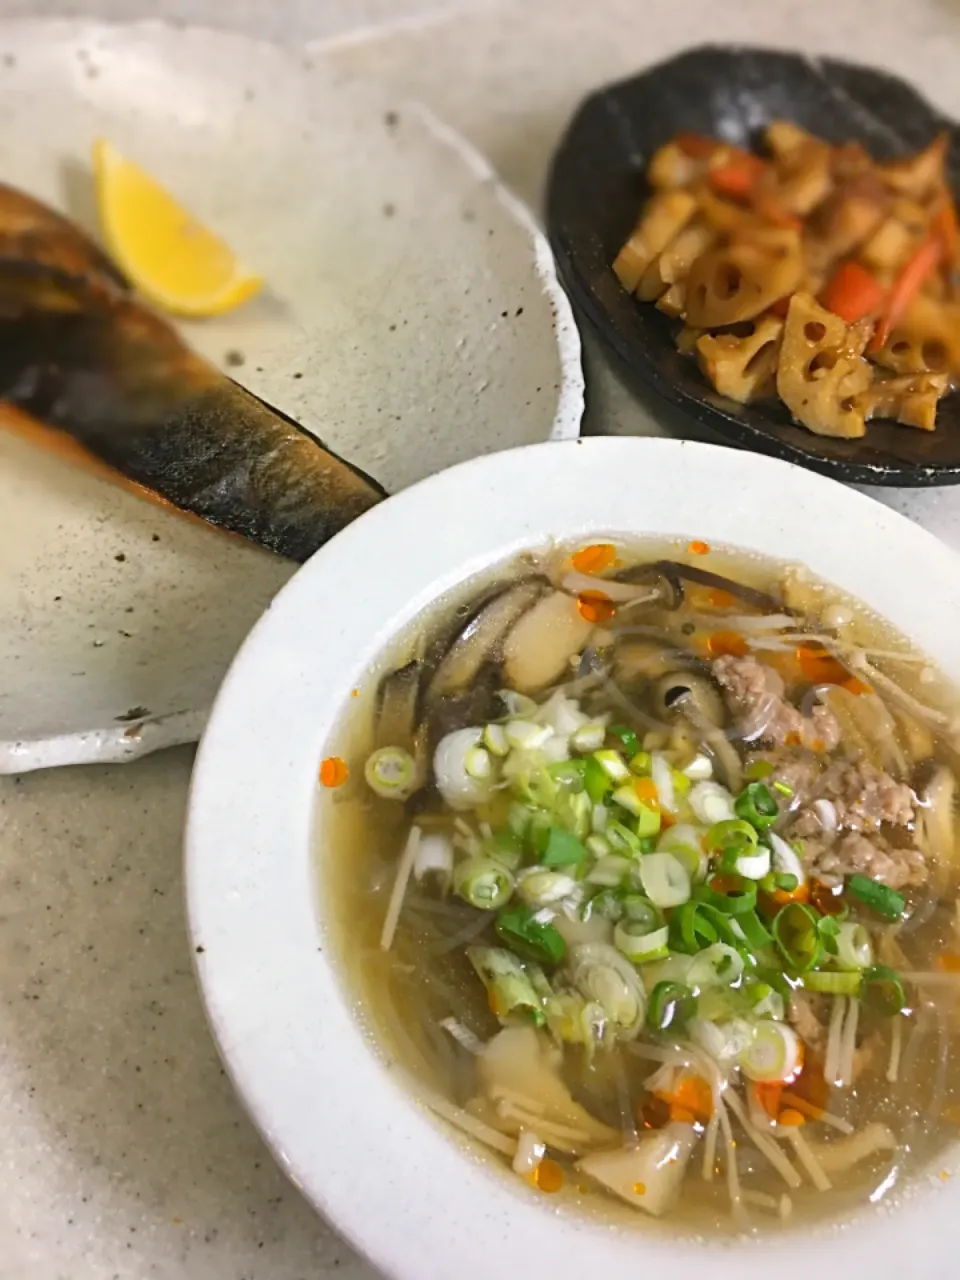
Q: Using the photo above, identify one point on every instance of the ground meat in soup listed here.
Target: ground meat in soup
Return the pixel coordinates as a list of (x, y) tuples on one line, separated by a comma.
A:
[(864, 796), (754, 693), (873, 856)]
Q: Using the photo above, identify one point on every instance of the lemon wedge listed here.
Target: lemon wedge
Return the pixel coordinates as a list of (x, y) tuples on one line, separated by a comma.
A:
[(172, 260)]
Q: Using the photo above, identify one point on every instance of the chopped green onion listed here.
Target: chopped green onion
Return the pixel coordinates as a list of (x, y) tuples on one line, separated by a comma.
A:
[(505, 847), (541, 888), (639, 944), (832, 982), (757, 770), (672, 1005), (717, 965), (641, 910), (757, 805), (641, 762), (785, 881), (665, 879), (774, 1054), (516, 704), (734, 897), (391, 772), (690, 930), (797, 937), (520, 928), (882, 991), (563, 849), (483, 883), (611, 871), (495, 740), (879, 897), (589, 737), (538, 832), (599, 846), (608, 904), (519, 817), (733, 834), (626, 737), (854, 947), (783, 788), (596, 780), (754, 931), (753, 866), (765, 1000), (828, 928), (524, 735), (683, 841), (621, 837), (509, 988), (681, 783), (569, 773), (573, 810), (648, 820), (477, 763), (612, 765)]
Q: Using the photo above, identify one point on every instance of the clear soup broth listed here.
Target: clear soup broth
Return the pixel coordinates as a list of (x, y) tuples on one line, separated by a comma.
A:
[(644, 871)]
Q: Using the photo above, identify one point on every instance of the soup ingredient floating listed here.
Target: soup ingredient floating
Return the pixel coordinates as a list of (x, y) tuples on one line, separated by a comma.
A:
[(176, 263), (811, 273), (95, 374), (677, 908)]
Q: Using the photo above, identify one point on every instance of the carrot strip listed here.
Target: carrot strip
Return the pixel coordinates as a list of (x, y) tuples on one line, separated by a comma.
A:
[(852, 292), (805, 1108), (907, 285), (737, 178), (819, 666), (769, 1097), (781, 306)]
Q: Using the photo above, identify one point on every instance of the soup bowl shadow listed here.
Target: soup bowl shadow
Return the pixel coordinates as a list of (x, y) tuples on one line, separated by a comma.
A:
[(408, 1193)]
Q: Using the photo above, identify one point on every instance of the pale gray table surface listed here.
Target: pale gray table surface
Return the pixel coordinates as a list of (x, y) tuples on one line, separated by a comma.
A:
[(124, 1152)]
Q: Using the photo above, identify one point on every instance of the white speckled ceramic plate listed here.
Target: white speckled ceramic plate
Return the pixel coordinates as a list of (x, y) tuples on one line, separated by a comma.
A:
[(339, 1119), (412, 319)]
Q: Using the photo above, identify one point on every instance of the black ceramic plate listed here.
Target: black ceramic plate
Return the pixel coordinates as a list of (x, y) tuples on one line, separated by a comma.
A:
[(597, 187)]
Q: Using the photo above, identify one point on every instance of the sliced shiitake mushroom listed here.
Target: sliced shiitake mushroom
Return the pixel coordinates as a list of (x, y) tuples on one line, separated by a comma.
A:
[(396, 706), (481, 639), (657, 576), (705, 578), (679, 692)]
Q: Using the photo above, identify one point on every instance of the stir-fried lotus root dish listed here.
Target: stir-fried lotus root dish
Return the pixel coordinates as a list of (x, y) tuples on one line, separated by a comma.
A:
[(645, 875), (811, 273)]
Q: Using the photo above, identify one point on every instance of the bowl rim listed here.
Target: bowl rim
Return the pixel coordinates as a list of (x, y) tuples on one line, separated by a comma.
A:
[(340, 1123)]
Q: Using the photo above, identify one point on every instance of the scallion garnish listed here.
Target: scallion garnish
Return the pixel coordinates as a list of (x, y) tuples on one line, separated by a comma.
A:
[(783, 788), (484, 883), (757, 805), (797, 937), (882, 991), (391, 772), (879, 897), (563, 849), (731, 894), (754, 930), (832, 982), (626, 738), (596, 780), (524, 933), (671, 1006)]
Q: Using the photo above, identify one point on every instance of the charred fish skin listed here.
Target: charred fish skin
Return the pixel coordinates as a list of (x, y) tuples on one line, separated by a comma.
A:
[(89, 360), (32, 232)]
